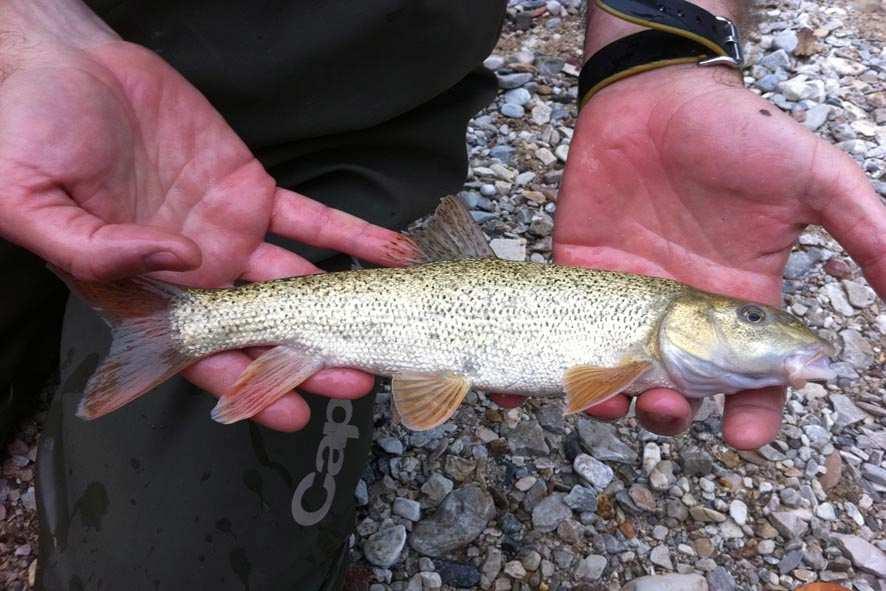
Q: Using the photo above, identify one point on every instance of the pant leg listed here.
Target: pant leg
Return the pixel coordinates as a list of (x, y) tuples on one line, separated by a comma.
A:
[(31, 305), (156, 495)]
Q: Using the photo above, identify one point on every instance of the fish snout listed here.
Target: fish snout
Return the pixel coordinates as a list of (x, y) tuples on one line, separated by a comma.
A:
[(810, 365)]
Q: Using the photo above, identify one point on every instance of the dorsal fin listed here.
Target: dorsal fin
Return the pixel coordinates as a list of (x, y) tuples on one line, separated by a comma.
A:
[(451, 234)]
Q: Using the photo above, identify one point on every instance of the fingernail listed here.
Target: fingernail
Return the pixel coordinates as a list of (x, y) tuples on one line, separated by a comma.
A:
[(161, 260)]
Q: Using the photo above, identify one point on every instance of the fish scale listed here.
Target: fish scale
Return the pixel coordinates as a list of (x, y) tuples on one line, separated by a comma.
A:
[(507, 326)]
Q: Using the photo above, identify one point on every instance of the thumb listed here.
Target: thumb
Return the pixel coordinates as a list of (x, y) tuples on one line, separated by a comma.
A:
[(852, 212), (92, 250)]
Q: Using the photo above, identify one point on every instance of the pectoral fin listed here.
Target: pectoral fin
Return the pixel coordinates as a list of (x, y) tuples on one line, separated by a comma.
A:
[(587, 385), (264, 381), (424, 401)]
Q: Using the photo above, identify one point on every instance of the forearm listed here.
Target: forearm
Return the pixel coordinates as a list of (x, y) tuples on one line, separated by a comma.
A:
[(28, 25), (603, 28)]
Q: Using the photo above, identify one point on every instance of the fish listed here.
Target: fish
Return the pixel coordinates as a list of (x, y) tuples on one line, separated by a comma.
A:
[(452, 318)]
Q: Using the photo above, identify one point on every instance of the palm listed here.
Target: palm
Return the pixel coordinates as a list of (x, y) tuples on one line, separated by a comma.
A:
[(125, 161), (704, 182), (148, 148)]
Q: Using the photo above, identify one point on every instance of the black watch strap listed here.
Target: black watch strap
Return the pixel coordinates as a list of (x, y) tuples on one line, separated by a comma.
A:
[(681, 33)]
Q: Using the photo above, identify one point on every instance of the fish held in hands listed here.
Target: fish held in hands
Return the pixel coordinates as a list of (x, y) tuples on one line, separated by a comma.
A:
[(457, 318)]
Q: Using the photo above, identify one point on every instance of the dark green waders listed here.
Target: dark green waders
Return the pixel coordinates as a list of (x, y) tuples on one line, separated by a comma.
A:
[(361, 105)]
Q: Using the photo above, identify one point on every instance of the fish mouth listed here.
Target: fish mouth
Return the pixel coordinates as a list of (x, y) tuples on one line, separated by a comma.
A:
[(810, 365)]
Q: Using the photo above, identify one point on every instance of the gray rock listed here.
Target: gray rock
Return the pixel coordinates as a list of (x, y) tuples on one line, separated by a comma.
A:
[(518, 96), (865, 556), (668, 583), (817, 116), (738, 510), (643, 498), (581, 498), (662, 476), (512, 110), (790, 561), (769, 83), (491, 567), (661, 556), (697, 462), (847, 412), (541, 114), (720, 579), (392, 445), (548, 514), (550, 66), (837, 297), (503, 153), (601, 441), (706, 514), (461, 517), (593, 471), (777, 60), (856, 349), (494, 62), (457, 574), (509, 81), (786, 39), (437, 487), (407, 508), (361, 493), (591, 568), (542, 224), (872, 472), (528, 439), (818, 436), (860, 296), (383, 548), (798, 265), (788, 524), (510, 249)]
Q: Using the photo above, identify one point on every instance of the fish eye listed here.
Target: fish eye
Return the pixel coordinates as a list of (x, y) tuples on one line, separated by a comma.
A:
[(752, 314)]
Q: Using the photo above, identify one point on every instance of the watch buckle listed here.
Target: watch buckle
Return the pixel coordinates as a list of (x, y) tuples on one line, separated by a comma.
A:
[(735, 57)]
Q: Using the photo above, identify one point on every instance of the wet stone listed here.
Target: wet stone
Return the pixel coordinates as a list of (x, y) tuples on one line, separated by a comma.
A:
[(383, 548), (548, 514), (461, 517)]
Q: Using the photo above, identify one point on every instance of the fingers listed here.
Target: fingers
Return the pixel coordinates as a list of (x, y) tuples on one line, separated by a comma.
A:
[(269, 262), (218, 374), (752, 419), (852, 212), (300, 218), (611, 410), (507, 401), (85, 246), (664, 411), (272, 262)]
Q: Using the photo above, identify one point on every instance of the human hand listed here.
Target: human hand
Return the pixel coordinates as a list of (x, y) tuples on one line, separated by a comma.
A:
[(682, 173), (114, 165)]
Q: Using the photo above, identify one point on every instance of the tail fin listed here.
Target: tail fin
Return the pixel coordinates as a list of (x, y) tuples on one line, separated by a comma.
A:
[(143, 352)]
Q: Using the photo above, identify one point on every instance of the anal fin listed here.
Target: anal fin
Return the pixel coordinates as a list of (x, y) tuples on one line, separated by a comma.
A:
[(267, 379), (424, 401), (587, 385)]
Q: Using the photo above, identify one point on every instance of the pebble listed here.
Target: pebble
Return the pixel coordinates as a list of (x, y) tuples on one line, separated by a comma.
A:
[(392, 445), (738, 510), (838, 299), (407, 508), (864, 556), (847, 412), (789, 524), (860, 296), (601, 440), (548, 514), (591, 567), (721, 579), (668, 583), (518, 96), (512, 110), (581, 498), (661, 556), (383, 548), (510, 249), (509, 81), (593, 471), (461, 517), (528, 438)]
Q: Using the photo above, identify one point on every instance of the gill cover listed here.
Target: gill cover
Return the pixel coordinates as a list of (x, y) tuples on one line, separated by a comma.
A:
[(713, 344)]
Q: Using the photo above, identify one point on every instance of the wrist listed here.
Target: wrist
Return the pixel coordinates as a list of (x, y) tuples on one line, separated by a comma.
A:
[(28, 26), (604, 28)]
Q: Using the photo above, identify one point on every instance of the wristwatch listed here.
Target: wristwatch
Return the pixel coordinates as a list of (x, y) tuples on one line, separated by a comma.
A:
[(679, 32)]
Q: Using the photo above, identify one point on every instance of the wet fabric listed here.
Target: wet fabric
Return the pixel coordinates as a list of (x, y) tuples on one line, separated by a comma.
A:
[(360, 105)]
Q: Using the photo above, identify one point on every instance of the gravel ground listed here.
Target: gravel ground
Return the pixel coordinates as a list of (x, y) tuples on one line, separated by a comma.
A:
[(523, 499)]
